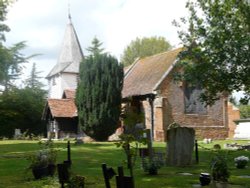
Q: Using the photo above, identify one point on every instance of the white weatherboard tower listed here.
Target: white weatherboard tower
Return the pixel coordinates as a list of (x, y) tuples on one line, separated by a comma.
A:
[(64, 74)]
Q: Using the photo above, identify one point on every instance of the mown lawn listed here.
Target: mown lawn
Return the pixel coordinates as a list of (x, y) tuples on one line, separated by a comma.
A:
[(87, 159)]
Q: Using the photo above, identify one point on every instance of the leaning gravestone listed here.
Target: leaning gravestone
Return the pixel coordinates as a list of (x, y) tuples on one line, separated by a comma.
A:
[(180, 145)]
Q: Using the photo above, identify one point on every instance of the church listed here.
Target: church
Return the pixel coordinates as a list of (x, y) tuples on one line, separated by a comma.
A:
[(149, 87), (60, 111)]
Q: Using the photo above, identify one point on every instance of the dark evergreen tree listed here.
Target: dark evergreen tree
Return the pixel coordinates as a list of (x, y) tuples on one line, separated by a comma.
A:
[(95, 49), (98, 96), (33, 80)]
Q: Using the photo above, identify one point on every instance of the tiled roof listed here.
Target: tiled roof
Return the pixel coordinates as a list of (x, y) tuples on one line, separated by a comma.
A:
[(62, 107), (69, 93), (147, 73), (70, 55)]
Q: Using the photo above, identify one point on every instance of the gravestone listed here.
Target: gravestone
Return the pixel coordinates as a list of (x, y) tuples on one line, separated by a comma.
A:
[(17, 133), (180, 145)]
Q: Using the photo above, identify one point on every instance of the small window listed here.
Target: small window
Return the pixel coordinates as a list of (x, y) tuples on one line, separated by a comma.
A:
[(193, 105)]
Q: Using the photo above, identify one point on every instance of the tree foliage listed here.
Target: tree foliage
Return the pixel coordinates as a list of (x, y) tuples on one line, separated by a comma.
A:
[(33, 80), (244, 111), (19, 108), (22, 109), (11, 58), (11, 64), (144, 47), (98, 96), (3, 13), (3, 28), (95, 49), (216, 47)]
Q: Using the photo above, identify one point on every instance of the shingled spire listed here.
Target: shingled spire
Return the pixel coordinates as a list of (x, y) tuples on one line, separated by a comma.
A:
[(71, 53), (64, 74)]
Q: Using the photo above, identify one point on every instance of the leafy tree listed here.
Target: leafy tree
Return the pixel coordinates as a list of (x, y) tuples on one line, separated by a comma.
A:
[(19, 108), (95, 49), (98, 96), (11, 58), (3, 28), (3, 13), (22, 109), (216, 47), (144, 47), (33, 80), (244, 111), (12, 61)]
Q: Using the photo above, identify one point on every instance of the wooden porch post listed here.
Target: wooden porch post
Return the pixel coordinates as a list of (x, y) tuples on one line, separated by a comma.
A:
[(151, 102), (56, 129), (48, 129)]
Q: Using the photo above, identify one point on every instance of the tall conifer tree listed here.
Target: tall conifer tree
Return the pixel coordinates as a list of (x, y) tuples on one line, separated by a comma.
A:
[(33, 80), (98, 95)]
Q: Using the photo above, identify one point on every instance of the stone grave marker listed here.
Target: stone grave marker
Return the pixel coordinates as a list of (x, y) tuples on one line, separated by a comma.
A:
[(180, 145)]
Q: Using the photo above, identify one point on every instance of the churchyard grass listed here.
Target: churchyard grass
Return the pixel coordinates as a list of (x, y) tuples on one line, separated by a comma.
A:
[(87, 159)]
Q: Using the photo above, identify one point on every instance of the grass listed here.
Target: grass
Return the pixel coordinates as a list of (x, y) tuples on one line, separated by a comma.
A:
[(87, 160)]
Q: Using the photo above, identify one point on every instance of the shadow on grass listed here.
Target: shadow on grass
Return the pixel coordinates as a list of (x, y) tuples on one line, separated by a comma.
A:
[(88, 157)]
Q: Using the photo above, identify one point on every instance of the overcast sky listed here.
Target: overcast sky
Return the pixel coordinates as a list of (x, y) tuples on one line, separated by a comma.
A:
[(41, 23)]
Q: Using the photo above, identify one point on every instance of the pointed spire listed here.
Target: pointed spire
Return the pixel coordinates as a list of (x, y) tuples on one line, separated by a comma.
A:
[(71, 53), (69, 15)]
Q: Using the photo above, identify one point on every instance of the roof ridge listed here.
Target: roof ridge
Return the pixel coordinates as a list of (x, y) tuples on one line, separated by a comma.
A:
[(163, 53)]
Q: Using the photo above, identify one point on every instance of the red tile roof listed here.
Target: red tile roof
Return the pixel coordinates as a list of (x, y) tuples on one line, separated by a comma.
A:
[(147, 73), (62, 107), (69, 93)]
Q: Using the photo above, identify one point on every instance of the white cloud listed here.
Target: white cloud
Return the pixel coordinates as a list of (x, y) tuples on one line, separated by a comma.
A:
[(114, 22)]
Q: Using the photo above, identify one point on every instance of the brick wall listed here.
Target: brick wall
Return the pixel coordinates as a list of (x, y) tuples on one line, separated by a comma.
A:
[(211, 125), (169, 107)]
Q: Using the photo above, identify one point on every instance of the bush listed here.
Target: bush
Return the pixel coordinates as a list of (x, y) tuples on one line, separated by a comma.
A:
[(219, 167)]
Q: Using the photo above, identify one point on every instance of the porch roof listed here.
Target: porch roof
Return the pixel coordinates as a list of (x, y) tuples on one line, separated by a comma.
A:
[(146, 74), (62, 107)]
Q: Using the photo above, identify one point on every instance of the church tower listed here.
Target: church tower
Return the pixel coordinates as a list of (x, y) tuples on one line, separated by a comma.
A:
[(64, 74)]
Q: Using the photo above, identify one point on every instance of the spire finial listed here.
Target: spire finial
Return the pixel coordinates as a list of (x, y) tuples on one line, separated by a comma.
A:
[(69, 15)]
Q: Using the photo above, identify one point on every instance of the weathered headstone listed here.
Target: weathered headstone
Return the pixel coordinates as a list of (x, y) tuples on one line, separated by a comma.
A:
[(17, 133), (180, 145)]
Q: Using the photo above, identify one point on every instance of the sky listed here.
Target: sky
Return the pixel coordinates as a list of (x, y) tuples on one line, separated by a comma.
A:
[(41, 23)]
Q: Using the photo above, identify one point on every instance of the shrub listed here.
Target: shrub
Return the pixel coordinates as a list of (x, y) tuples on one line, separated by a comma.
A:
[(219, 167)]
